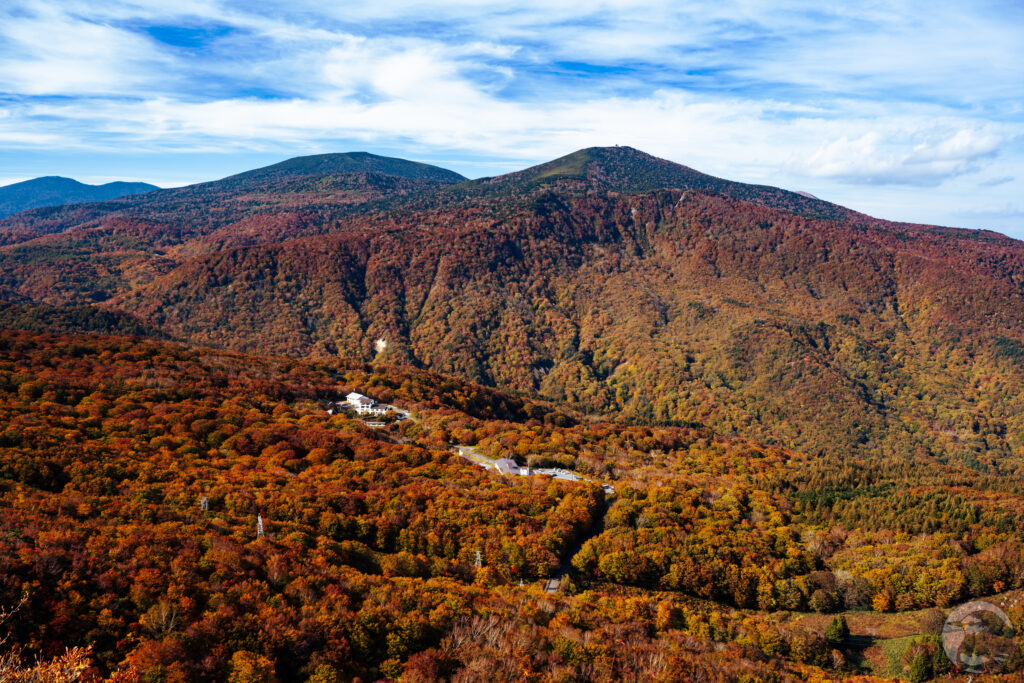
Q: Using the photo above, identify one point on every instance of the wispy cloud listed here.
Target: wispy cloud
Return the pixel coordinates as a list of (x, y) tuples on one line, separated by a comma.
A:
[(996, 182), (999, 213), (47, 51)]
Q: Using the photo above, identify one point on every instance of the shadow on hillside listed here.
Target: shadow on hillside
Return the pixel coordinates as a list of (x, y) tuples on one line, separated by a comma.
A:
[(855, 648)]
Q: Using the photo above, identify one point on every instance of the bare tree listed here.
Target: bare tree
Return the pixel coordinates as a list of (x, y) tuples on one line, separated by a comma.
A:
[(162, 618)]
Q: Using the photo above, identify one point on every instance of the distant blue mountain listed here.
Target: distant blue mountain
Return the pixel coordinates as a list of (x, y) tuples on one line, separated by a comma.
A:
[(55, 191)]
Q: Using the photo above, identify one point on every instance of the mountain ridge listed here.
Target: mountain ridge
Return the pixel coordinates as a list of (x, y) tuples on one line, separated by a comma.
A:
[(669, 306), (344, 182), (58, 190)]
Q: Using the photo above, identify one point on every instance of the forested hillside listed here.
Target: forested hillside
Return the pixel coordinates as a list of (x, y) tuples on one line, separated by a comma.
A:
[(298, 196), (610, 281), (664, 307), (133, 472)]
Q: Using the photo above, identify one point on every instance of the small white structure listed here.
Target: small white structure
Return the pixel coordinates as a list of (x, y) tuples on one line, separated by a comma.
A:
[(507, 467), (364, 405)]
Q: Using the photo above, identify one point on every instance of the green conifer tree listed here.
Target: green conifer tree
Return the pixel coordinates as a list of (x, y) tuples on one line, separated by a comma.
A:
[(920, 668), (837, 631)]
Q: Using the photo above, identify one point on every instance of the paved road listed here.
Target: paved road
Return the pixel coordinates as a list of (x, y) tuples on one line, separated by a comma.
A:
[(473, 454), (555, 582)]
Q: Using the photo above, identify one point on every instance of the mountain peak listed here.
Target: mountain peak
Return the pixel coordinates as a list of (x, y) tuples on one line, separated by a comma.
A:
[(617, 165), (602, 165), (631, 171), (346, 162)]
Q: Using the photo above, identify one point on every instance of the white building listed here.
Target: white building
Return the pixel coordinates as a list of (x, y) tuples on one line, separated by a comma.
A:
[(364, 405), (358, 401), (507, 467)]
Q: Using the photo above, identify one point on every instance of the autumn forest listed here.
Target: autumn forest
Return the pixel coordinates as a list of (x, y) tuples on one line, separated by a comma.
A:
[(765, 438)]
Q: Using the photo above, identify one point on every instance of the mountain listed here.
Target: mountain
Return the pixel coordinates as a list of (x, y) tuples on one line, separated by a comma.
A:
[(609, 280), (351, 162), (668, 306), (630, 171), (56, 191), (786, 437), (305, 195)]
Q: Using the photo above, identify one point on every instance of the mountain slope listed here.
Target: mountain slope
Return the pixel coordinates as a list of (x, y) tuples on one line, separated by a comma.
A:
[(89, 252), (584, 281), (56, 191), (134, 473), (666, 306), (339, 183)]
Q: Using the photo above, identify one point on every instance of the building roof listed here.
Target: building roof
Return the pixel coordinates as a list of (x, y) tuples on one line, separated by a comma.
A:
[(506, 466)]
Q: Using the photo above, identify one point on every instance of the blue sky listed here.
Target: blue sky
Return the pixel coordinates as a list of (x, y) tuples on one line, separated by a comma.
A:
[(903, 110)]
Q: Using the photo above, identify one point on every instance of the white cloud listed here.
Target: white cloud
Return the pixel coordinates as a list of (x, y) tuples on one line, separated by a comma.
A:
[(918, 158), (48, 52)]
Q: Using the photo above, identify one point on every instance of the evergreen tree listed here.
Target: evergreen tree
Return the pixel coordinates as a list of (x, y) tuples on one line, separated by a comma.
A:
[(920, 668), (837, 631)]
